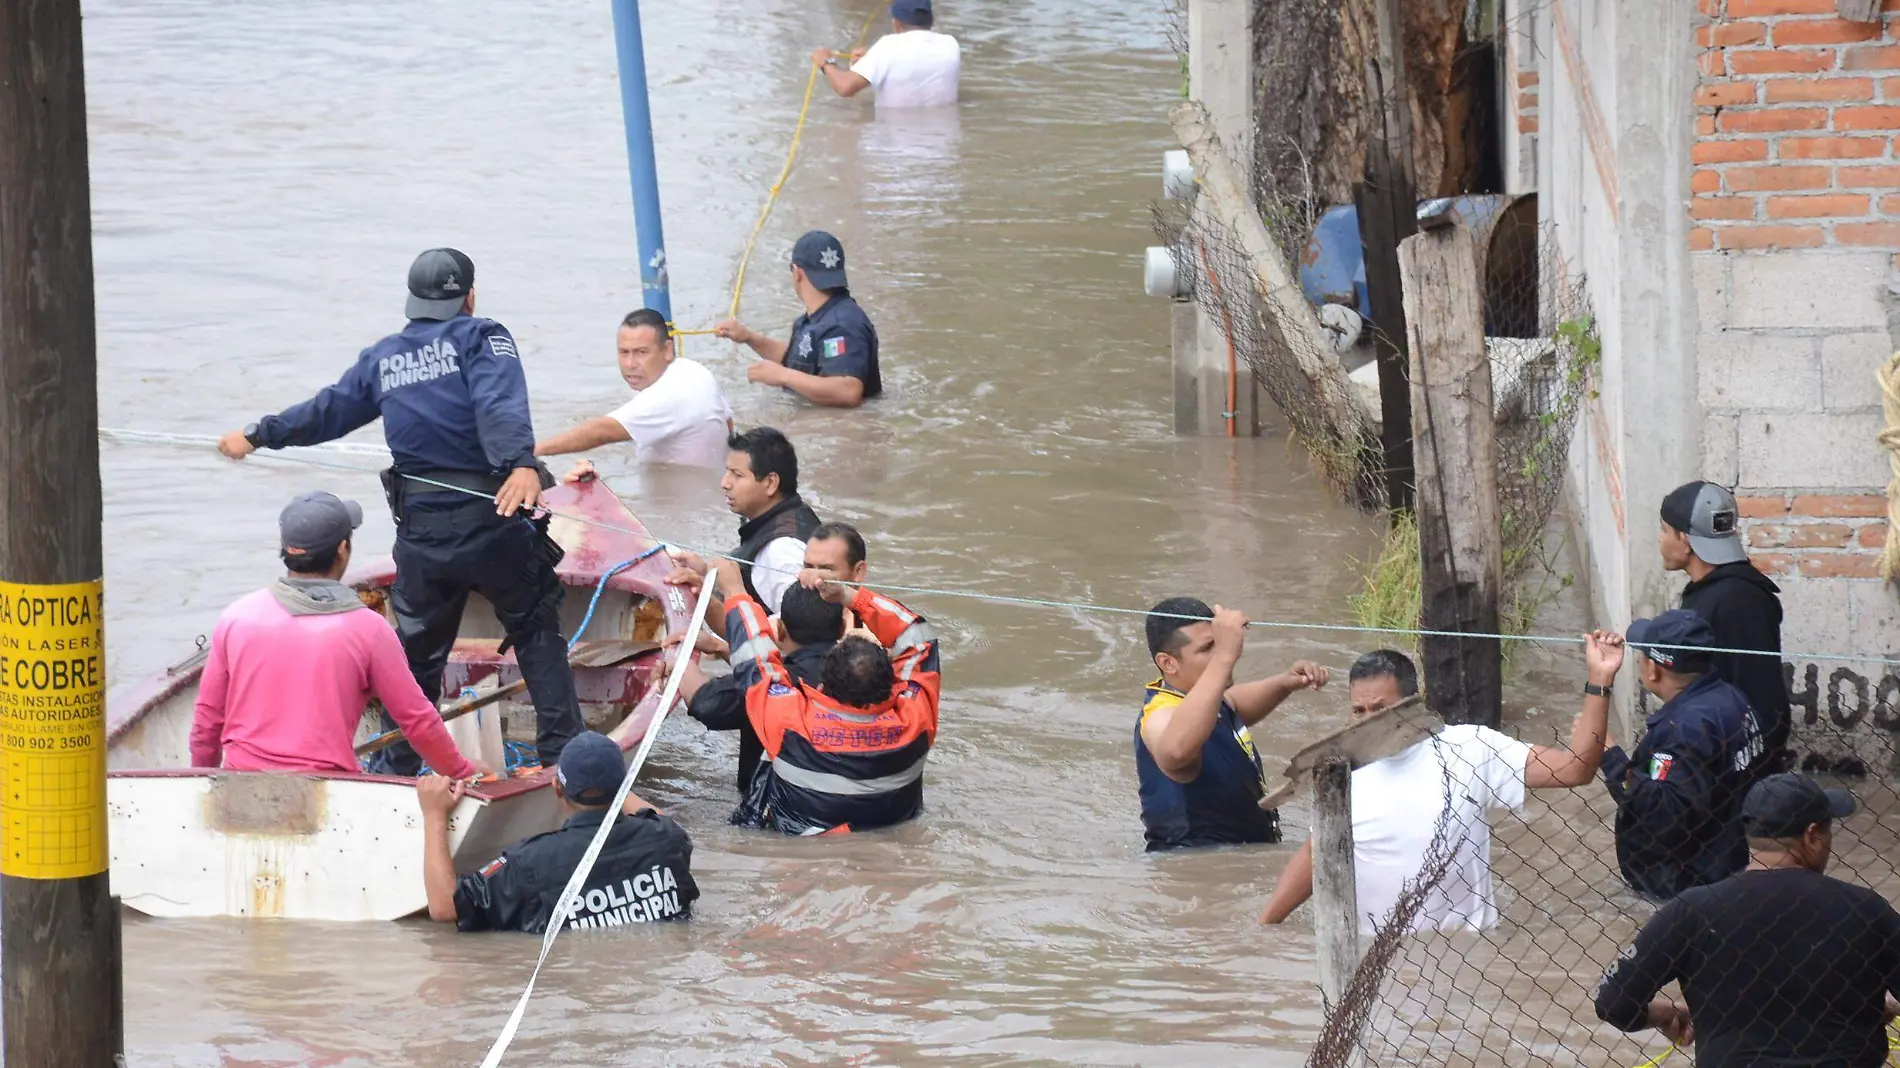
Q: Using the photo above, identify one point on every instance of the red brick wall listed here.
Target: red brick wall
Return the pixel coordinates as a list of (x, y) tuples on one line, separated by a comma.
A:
[(1815, 536), (1796, 116)]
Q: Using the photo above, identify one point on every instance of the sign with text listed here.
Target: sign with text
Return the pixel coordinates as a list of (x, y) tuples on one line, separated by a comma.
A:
[(52, 730)]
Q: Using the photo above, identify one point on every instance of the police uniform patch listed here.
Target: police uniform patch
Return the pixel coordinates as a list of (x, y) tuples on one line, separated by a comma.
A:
[(804, 344), (502, 346), (1659, 766), (834, 348), (493, 866)]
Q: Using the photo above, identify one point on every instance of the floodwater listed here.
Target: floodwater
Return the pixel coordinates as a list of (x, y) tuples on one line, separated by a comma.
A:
[(263, 173)]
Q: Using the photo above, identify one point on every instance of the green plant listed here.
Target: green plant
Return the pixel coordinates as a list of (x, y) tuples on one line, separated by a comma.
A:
[(1391, 596)]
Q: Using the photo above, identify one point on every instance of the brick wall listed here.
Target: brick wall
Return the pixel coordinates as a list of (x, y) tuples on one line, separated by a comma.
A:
[(1795, 212), (1796, 115)]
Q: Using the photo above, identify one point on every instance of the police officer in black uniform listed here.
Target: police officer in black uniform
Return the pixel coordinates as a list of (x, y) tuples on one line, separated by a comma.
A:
[(454, 404), (831, 358), (642, 875)]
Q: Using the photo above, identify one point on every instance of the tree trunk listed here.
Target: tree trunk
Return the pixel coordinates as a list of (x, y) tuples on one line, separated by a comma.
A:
[(1313, 112)]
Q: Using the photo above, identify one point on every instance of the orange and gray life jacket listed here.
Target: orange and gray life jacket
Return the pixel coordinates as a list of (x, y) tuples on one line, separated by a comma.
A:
[(828, 765)]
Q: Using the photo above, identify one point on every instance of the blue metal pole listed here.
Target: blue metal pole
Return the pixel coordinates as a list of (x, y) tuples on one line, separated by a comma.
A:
[(651, 241)]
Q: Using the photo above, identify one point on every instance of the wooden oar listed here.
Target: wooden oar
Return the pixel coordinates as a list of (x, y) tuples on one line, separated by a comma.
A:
[(593, 654)]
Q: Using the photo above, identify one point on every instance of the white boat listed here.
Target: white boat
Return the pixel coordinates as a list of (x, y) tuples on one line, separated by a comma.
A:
[(205, 842)]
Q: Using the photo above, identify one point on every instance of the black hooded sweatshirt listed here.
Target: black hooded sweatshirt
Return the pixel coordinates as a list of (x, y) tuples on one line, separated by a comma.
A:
[(1742, 606)]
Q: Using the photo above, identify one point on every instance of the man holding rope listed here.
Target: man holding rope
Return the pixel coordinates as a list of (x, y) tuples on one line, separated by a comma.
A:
[(454, 405), (848, 753), (831, 358), (1201, 781)]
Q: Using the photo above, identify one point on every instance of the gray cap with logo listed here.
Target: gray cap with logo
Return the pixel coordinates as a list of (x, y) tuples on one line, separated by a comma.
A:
[(1706, 513)]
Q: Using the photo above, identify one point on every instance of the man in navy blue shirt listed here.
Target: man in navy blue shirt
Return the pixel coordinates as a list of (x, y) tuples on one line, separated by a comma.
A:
[(454, 405), (831, 358), (1679, 795)]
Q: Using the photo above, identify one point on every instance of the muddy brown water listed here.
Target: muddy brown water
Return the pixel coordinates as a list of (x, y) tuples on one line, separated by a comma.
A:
[(263, 172)]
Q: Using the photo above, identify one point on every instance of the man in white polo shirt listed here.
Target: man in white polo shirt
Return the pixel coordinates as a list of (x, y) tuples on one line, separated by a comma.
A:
[(677, 414), (1460, 775), (913, 66)]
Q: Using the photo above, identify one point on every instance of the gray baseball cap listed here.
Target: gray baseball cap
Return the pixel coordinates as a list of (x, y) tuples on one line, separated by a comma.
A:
[(1706, 513), (439, 282), (317, 522)]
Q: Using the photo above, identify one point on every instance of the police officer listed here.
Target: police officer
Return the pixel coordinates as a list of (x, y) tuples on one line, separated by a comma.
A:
[(831, 358), (454, 405), (1679, 794), (642, 874)]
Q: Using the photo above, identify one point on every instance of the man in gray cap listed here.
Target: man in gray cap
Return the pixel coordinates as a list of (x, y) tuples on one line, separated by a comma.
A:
[(292, 666), (464, 488), (831, 358), (1778, 964), (1700, 536)]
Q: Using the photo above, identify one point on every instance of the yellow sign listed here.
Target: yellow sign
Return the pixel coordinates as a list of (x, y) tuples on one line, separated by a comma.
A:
[(52, 730)]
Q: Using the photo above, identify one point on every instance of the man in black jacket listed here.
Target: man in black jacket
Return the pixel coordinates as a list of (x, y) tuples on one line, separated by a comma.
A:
[(807, 626), (1699, 536)]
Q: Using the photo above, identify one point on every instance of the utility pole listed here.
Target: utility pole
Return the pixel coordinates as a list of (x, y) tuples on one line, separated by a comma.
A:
[(1388, 203), (655, 288), (1461, 566), (59, 954)]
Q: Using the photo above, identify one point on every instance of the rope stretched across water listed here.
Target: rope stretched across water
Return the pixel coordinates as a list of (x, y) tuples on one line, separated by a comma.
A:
[(200, 441), (778, 184)]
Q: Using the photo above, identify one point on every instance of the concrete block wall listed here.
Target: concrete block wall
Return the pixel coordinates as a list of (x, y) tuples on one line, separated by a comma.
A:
[(1795, 222)]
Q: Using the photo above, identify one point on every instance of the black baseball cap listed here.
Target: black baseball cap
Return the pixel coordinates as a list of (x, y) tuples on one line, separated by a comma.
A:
[(1676, 627), (1706, 513), (910, 12), (822, 257), (317, 522), (439, 282), (590, 768), (1786, 805)]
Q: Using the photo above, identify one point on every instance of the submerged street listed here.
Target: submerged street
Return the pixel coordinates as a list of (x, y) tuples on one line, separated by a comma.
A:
[(262, 176)]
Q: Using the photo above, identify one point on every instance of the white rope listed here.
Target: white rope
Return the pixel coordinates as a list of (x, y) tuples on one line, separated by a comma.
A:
[(153, 437), (570, 897)]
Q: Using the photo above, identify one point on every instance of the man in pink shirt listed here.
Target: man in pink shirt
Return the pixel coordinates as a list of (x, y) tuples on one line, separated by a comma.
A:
[(293, 666)]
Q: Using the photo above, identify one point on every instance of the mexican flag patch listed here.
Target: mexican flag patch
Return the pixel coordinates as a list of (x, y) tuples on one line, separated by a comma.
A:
[(1659, 766), (834, 348)]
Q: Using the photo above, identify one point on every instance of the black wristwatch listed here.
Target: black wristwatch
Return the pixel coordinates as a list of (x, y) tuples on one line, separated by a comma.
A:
[(1591, 689), (251, 435)]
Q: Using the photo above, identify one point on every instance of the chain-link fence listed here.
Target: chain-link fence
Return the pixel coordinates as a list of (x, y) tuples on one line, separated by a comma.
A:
[(1514, 903)]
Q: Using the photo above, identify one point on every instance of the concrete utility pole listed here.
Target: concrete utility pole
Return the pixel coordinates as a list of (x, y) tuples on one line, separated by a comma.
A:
[(1388, 204), (1458, 518), (59, 957)]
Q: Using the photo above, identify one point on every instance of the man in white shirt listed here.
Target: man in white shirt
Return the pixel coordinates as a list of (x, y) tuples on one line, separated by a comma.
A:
[(677, 414), (1459, 776), (913, 66)]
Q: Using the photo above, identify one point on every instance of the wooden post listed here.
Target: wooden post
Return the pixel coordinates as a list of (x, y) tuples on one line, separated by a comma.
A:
[(1335, 892), (59, 957), (1388, 203), (1457, 470), (1858, 10)]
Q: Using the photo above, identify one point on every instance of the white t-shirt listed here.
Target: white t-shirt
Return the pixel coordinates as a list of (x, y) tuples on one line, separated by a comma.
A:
[(1396, 803), (683, 418), (912, 69), (775, 569)]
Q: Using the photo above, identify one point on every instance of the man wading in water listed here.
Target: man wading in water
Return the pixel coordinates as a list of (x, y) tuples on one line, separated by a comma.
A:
[(1201, 782)]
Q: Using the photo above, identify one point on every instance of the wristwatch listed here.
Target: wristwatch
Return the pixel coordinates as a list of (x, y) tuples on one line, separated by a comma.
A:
[(1591, 689), (251, 435)]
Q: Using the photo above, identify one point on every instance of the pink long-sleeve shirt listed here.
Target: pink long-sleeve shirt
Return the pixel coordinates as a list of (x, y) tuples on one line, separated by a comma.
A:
[(285, 692)]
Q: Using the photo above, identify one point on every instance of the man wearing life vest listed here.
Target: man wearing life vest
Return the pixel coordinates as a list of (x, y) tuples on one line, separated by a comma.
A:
[(848, 753), (1201, 782)]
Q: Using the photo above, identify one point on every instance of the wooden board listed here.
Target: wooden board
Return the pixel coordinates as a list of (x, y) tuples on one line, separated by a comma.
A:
[(1376, 737)]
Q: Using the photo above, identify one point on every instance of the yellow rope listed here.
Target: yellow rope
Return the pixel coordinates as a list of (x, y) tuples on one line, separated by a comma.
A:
[(791, 155), (1889, 438), (1658, 1059)]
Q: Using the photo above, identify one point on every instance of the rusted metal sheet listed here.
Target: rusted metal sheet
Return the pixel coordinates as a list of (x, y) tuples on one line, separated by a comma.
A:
[(265, 804)]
